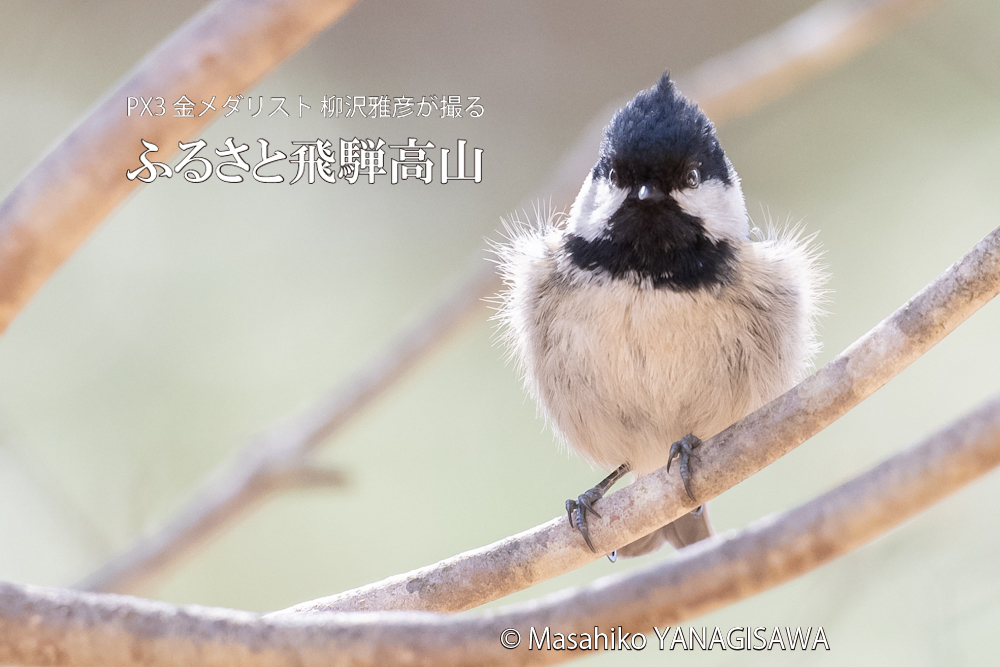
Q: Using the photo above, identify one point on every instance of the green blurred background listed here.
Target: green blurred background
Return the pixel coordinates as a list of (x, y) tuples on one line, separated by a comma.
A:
[(199, 315)]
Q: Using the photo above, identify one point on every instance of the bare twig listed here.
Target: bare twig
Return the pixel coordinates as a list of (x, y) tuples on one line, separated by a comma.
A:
[(816, 41), (228, 46), (761, 71), (60, 627), (523, 560), (263, 466)]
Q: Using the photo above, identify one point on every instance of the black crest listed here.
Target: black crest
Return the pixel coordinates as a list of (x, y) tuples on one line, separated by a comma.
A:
[(657, 137)]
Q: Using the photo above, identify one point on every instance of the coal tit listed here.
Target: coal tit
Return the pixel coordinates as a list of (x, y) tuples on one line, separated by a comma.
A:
[(648, 318)]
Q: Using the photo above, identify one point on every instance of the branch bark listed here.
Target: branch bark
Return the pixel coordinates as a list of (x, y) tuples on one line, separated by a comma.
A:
[(729, 85), (61, 627), (227, 46), (518, 562)]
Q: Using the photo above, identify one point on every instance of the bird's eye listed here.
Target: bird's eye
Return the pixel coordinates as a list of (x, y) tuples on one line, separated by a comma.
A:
[(693, 178), (611, 176)]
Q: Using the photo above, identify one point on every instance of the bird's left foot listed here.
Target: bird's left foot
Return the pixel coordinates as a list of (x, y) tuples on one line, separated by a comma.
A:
[(683, 450)]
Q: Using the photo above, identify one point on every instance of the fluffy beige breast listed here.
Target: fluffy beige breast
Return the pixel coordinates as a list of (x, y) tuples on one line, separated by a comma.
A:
[(622, 371)]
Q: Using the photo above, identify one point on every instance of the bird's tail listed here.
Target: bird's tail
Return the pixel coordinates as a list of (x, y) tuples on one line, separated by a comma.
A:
[(690, 528)]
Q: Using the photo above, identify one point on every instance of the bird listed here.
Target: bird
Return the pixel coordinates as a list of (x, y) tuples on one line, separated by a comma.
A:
[(654, 315)]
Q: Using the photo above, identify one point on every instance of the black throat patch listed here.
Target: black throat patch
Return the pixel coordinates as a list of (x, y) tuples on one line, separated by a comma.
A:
[(656, 242)]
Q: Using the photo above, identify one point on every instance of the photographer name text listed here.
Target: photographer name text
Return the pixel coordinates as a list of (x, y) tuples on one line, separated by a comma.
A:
[(740, 638)]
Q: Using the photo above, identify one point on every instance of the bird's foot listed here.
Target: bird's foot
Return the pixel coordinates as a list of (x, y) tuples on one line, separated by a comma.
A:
[(683, 451), (576, 510)]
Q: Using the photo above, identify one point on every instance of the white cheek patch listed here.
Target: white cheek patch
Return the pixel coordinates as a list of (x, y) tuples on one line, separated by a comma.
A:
[(720, 207), (597, 201)]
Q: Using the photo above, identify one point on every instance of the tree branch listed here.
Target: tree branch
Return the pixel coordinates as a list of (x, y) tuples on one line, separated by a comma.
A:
[(238, 485), (227, 46), (760, 71), (61, 627), (521, 561), (816, 41)]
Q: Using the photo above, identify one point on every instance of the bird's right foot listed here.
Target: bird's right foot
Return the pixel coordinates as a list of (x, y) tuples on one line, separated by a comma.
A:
[(576, 510)]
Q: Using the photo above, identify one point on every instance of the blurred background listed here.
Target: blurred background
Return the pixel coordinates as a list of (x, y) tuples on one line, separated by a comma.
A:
[(200, 315)]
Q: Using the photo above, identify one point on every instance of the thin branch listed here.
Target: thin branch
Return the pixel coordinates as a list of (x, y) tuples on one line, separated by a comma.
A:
[(765, 69), (816, 41), (228, 46), (521, 561), (61, 627), (258, 470), (309, 475)]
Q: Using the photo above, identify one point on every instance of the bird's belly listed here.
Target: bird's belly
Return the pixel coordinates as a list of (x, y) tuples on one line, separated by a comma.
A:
[(624, 372)]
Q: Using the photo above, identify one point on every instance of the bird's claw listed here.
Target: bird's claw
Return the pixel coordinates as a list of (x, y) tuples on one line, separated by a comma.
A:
[(683, 451), (576, 512)]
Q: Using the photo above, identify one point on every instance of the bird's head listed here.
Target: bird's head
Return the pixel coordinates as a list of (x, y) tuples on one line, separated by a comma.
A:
[(663, 204)]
